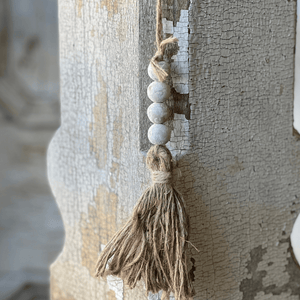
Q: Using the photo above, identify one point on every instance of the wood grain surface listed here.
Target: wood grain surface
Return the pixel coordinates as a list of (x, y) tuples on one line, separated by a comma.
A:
[(237, 159)]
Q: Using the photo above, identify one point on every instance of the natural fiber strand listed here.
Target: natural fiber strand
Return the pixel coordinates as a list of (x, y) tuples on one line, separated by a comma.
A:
[(151, 246), (161, 45)]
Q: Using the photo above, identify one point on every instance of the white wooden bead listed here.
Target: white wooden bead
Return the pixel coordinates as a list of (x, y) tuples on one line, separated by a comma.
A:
[(158, 91), (159, 134), (164, 65), (158, 113)]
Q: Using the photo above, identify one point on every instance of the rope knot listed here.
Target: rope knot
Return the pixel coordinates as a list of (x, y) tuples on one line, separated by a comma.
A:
[(161, 177), (159, 158), (161, 45)]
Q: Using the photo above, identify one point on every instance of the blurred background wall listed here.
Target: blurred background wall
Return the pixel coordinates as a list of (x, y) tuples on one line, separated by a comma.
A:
[(31, 230)]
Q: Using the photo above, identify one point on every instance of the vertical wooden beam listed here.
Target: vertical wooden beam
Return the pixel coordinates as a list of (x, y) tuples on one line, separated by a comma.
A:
[(94, 159), (238, 160)]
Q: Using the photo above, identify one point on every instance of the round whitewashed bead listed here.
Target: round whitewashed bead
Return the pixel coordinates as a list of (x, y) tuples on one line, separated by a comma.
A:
[(158, 91), (164, 65), (159, 134), (158, 113)]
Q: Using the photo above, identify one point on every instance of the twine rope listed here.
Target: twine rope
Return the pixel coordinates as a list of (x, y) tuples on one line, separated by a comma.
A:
[(161, 45), (152, 244), (161, 177)]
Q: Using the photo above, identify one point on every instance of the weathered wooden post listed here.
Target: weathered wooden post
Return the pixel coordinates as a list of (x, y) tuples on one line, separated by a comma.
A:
[(235, 147)]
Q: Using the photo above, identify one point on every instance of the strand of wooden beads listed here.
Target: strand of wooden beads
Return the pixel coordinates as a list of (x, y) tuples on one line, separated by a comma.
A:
[(158, 112)]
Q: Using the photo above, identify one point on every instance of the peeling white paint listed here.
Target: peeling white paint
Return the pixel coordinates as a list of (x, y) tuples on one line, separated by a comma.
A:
[(180, 65), (167, 26), (180, 79), (116, 284)]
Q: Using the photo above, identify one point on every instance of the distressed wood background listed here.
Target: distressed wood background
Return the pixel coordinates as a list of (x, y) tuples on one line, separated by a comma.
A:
[(237, 155)]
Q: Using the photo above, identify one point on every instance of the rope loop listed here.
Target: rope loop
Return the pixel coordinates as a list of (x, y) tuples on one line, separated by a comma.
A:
[(161, 45)]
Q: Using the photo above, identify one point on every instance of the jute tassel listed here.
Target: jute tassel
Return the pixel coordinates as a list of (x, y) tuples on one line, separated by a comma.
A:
[(151, 245)]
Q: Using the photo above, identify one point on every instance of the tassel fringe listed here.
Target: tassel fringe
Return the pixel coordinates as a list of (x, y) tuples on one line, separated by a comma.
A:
[(151, 245)]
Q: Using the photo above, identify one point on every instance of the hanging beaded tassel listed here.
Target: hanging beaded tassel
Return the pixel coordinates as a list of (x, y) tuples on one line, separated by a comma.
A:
[(151, 246)]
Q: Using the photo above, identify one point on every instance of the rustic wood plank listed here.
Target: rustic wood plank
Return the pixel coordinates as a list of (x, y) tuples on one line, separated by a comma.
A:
[(241, 175), (238, 159), (94, 157)]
